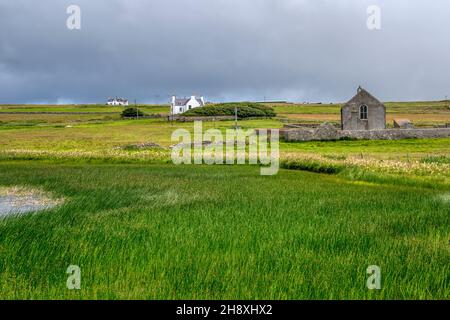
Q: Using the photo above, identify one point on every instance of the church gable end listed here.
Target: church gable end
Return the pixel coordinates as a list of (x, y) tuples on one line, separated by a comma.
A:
[(363, 112)]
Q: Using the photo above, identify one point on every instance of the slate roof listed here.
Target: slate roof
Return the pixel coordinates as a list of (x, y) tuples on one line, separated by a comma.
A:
[(184, 101), (181, 102), (362, 95)]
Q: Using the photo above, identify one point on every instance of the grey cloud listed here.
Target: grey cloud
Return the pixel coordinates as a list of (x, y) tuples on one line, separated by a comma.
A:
[(300, 50)]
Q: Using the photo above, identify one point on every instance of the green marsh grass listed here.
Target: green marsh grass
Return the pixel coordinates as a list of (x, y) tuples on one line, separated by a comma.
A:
[(221, 232)]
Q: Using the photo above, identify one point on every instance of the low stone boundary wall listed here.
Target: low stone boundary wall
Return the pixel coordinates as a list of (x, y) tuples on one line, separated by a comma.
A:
[(210, 118), (305, 125), (300, 126), (396, 134), (192, 119), (149, 116), (328, 132)]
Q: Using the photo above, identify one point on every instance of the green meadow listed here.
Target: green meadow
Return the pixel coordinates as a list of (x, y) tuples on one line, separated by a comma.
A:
[(211, 232), (435, 107), (71, 108), (140, 227)]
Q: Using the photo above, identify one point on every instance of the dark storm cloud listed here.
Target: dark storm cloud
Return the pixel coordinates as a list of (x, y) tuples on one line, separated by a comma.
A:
[(300, 50)]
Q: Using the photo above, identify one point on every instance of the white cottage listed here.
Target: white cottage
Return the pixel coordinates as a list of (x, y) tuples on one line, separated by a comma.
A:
[(180, 105)]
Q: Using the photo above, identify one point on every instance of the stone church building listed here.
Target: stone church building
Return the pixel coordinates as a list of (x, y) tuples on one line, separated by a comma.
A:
[(363, 112), (362, 118)]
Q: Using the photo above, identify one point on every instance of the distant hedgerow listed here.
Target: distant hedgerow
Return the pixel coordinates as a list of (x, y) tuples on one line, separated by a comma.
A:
[(244, 110), (312, 165)]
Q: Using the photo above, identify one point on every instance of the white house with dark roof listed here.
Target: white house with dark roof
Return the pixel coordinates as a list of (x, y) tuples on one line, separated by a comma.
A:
[(180, 105)]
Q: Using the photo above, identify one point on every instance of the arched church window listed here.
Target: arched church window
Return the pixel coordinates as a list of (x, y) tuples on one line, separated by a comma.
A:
[(363, 112)]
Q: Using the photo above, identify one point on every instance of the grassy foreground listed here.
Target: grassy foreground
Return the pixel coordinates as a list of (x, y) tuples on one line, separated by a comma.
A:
[(199, 232)]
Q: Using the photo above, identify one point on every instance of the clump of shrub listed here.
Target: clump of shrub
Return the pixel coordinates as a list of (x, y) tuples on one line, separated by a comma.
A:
[(244, 110), (312, 165), (132, 113)]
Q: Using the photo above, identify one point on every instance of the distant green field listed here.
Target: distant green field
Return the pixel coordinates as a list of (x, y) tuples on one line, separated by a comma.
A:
[(108, 134), (109, 141), (420, 113), (307, 109), (287, 108), (80, 108), (391, 107), (183, 232), (418, 107), (39, 115)]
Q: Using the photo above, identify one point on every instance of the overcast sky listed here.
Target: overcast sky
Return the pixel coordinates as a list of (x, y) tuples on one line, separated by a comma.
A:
[(226, 50)]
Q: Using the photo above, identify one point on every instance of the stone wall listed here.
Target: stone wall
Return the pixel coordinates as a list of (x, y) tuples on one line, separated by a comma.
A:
[(210, 118), (396, 134), (205, 118), (303, 125), (329, 132)]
